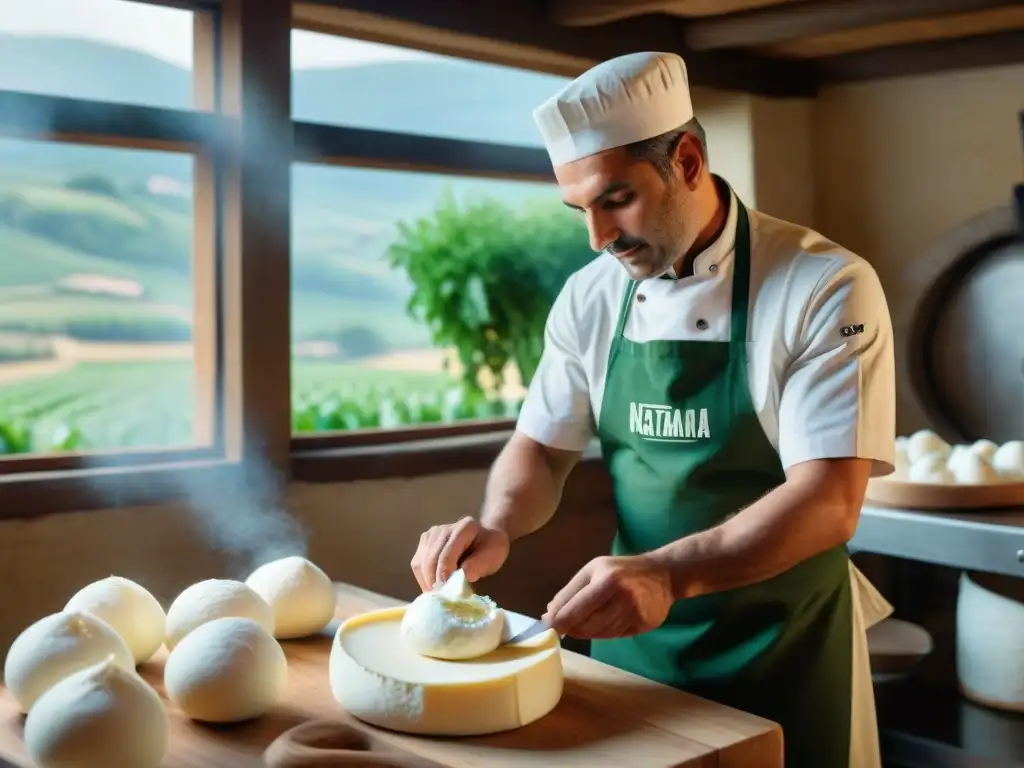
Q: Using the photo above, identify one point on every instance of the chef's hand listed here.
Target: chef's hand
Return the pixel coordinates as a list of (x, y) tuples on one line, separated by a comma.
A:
[(482, 551), (612, 597)]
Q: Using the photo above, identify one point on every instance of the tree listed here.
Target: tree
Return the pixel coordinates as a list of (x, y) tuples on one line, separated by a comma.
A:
[(484, 278)]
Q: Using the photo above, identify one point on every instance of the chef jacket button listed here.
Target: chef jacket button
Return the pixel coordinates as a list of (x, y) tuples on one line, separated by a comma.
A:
[(641, 298), (713, 268), (702, 324)]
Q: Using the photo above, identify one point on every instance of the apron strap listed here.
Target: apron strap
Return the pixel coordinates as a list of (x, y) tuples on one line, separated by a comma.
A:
[(740, 277), (627, 296)]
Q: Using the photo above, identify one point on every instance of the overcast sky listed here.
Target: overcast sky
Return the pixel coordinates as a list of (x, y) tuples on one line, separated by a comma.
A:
[(167, 32)]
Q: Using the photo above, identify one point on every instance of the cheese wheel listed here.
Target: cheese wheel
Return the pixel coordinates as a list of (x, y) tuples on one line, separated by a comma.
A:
[(226, 671), (98, 717), (301, 595), (215, 599), (56, 646), (376, 677), (127, 607)]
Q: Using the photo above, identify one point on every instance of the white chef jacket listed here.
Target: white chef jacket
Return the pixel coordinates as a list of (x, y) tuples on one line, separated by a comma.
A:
[(820, 362)]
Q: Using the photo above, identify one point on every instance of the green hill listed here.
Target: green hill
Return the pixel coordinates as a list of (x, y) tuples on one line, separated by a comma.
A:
[(70, 211)]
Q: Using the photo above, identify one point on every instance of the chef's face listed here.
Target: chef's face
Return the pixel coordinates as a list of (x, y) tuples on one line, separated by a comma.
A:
[(647, 220)]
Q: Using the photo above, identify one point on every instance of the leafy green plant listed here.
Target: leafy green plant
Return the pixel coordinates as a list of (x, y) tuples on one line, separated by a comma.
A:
[(485, 276)]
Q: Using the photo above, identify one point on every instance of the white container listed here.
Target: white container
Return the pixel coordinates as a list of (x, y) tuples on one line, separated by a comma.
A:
[(990, 640)]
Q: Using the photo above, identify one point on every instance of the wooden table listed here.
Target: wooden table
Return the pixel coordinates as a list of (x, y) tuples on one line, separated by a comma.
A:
[(606, 717)]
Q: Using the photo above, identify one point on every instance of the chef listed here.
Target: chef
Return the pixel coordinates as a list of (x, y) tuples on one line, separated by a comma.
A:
[(738, 372)]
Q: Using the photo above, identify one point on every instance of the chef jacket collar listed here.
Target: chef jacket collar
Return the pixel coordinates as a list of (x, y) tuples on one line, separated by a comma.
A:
[(720, 249)]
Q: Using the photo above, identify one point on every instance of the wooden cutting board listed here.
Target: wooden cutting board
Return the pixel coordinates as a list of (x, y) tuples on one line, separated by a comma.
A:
[(606, 717)]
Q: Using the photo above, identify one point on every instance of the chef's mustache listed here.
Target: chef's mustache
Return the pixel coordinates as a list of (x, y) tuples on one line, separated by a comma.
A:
[(623, 244)]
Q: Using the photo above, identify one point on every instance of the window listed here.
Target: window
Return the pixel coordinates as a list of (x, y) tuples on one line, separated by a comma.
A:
[(108, 279), (96, 298), (347, 82), (100, 50), (419, 298)]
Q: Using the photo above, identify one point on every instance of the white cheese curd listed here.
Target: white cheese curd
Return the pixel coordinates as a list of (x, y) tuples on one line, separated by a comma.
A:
[(98, 717), (453, 622), (984, 448), (300, 593), (215, 599), (1009, 460), (923, 442), (129, 608), (56, 646), (973, 469), (225, 671), (931, 469)]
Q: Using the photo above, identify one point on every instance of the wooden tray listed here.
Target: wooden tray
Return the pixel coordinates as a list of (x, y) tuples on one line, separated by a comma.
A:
[(901, 494)]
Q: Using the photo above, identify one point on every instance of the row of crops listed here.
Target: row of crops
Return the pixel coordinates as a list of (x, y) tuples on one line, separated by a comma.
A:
[(103, 406)]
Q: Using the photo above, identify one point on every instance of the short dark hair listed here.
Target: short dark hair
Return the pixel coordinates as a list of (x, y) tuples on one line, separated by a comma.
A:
[(658, 149)]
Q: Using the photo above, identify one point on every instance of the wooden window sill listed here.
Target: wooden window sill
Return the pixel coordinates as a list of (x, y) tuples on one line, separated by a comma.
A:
[(46, 492), (414, 458)]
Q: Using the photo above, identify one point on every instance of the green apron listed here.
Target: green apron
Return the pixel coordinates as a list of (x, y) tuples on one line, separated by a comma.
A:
[(685, 450)]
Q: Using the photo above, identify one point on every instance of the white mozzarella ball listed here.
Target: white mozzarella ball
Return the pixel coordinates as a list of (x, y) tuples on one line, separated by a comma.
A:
[(1009, 460), (129, 608), (923, 442), (930, 469), (984, 448), (215, 599), (56, 646), (99, 717), (226, 670), (972, 469), (300, 593)]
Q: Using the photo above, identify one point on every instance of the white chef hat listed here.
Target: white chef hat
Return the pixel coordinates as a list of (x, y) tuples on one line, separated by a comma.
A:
[(622, 100)]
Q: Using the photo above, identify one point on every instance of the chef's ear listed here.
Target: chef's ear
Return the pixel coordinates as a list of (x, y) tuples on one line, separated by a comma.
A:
[(688, 158)]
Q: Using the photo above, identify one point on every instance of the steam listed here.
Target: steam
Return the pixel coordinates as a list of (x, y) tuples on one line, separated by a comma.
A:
[(241, 515)]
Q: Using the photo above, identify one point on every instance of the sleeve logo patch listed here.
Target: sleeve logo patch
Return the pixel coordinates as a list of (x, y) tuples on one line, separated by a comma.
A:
[(851, 330)]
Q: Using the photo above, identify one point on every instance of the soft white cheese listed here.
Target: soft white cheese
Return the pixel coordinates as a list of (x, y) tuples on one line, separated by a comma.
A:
[(215, 599), (129, 608), (56, 646), (931, 469), (300, 593), (452, 622), (99, 717), (1009, 460)]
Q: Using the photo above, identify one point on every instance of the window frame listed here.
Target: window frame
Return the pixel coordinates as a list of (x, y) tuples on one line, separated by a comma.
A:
[(242, 65), (241, 78)]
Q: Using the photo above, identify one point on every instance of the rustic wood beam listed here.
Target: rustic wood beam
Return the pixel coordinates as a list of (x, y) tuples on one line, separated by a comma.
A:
[(807, 19), (528, 26), (585, 13), (923, 58)]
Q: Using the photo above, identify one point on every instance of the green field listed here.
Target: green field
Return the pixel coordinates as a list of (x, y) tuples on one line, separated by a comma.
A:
[(105, 406)]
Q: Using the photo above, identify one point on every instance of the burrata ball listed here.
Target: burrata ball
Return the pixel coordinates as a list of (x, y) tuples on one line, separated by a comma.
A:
[(56, 646), (215, 599), (99, 717), (225, 671), (300, 593), (129, 608)]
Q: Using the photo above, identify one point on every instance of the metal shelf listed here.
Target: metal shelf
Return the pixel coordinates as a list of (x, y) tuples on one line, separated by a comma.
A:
[(991, 541)]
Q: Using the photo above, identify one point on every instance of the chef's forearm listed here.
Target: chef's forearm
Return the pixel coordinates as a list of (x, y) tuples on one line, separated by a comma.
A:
[(525, 486), (803, 517)]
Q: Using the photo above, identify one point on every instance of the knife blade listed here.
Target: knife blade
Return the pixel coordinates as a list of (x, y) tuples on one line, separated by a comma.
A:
[(531, 631)]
